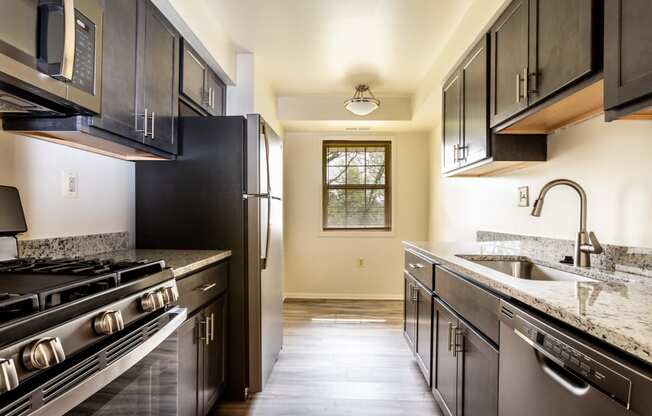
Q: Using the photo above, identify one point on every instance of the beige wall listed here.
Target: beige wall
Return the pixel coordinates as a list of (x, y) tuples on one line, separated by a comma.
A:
[(325, 265), (105, 202), (610, 160)]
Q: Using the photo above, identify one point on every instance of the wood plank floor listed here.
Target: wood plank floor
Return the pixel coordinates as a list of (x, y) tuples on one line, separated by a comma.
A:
[(341, 358)]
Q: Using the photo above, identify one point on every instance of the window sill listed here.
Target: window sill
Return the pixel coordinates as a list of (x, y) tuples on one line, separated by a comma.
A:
[(357, 233)]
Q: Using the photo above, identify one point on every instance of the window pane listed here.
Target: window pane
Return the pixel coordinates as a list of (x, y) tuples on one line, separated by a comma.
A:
[(375, 175), (355, 156), (355, 175), (375, 156), (336, 175), (336, 208), (336, 156)]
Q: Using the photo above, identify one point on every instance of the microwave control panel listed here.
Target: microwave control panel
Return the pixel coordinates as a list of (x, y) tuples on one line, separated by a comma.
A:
[(84, 69)]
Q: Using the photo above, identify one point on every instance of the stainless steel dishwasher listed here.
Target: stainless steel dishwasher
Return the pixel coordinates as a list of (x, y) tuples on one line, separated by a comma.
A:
[(545, 371)]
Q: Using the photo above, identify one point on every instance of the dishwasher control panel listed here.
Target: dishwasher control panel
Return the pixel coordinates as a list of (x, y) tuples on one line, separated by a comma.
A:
[(579, 363)]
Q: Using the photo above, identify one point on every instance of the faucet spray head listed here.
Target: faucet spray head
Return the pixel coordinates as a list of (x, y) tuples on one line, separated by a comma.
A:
[(537, 207)]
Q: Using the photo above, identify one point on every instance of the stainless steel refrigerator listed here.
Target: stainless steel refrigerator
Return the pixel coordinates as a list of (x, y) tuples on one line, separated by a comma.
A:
[(224, 191)]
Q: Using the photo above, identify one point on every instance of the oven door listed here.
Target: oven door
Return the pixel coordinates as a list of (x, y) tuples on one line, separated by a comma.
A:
[(141, 382)]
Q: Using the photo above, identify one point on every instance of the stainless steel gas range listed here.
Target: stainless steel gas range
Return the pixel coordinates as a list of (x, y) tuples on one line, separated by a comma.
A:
[(86, 337)]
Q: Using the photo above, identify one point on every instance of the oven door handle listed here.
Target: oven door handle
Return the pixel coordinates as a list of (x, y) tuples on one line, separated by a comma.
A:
[(99, 380)]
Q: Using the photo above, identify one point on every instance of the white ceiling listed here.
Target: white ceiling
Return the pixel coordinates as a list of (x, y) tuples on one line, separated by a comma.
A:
[(328, 46)]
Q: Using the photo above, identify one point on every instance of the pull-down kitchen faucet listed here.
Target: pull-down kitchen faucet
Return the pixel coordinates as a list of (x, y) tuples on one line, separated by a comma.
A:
[(583, 248)]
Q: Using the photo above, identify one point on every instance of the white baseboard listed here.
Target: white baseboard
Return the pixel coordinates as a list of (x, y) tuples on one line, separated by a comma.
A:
[(342, 296)]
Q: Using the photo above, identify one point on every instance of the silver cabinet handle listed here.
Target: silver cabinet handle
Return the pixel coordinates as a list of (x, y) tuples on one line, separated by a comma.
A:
[(207, 336), (206, 287), (457, 346), (212, 327), (68, 58), (145, 121), (213, 99), (153, 123), (518, 88), (450, 336), (525, 83), (415, 294)]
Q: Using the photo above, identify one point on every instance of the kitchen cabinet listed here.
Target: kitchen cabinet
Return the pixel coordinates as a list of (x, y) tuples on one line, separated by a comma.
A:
[(469, 146), (628, 61), (158, 66), (410, 311), (540, 48), (200, 87), (466, 379), (213, 354), (424, 332), (202, 359)]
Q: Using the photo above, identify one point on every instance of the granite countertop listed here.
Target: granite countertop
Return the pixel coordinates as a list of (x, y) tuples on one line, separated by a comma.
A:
[(182, 262), (616, 308)]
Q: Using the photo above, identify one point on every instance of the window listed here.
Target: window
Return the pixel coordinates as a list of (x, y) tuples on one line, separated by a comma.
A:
[(356, 185)]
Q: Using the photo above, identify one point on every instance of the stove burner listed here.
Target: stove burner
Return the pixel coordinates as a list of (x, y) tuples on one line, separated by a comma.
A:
[(14, 306)]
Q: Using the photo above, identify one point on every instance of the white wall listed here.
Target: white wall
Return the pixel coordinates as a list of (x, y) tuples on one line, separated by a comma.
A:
[(106, 188), (610, 160), (325, 265)]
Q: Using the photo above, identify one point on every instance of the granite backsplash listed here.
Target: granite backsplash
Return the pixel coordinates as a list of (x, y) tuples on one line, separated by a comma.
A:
[(635, 260), (76, 246)]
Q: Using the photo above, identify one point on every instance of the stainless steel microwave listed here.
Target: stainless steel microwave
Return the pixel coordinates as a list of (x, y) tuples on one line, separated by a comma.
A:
[(50, 56)]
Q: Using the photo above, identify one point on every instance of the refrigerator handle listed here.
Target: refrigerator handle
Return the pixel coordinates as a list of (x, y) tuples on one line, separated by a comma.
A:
[(267, 168), (265, 254)]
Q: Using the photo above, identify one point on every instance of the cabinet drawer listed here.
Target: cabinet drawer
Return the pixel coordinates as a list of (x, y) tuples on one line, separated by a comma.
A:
[(420, 268), (200, 288), (475, 305)]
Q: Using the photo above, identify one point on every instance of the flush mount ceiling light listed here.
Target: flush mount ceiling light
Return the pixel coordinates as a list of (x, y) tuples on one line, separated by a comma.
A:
[(363, 101)]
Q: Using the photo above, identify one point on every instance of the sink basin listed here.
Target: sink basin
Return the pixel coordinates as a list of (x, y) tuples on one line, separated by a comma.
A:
[(524, 269)]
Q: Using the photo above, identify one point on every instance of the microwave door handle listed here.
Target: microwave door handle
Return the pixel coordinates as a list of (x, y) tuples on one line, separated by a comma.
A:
[(68, 58)]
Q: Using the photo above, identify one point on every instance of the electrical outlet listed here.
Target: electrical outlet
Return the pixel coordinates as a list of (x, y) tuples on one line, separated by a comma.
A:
[(523, 196), (70, 184)]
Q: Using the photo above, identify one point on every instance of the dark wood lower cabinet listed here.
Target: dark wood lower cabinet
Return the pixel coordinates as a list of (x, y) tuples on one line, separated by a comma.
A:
[(424, 331), (410, 311), (466, 379), (202, 359)]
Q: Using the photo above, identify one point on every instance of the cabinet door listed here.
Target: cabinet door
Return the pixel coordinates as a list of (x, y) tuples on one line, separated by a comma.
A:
[(188, 382), (478, 374), (446, 367), (214, 353), (119, 69), (475, 114), (509, 61), (160, 78), (216, 91), (410, 305), (628, 51), (194, 74), (451, 123), (562, 49), (424, 331)]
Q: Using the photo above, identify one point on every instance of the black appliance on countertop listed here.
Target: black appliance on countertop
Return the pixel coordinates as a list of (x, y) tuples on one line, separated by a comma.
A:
[(70, 327)]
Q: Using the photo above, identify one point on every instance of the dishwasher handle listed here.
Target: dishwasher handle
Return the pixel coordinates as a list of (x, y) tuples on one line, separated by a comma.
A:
[(557, 372)]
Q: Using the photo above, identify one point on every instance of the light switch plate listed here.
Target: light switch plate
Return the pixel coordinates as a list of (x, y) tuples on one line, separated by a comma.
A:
[(523, 196), (70, 184)]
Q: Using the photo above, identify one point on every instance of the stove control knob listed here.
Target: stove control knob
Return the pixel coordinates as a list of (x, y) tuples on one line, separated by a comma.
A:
[(170, 295), (152, 301), (108, 322), (8, 375), (43, 353)]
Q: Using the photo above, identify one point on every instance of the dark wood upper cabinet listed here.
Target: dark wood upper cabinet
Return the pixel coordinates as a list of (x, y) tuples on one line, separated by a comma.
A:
[(475, 143), (200, 87), (562, 47), (452, 122), (628, 57), (509, 61), (119, 69), (158, 86)]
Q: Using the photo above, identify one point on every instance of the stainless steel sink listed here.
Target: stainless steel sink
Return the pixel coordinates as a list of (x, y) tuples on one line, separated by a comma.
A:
[(524, 269)]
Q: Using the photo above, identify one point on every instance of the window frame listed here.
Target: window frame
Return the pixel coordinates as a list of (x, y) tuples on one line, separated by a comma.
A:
[(387, 186)]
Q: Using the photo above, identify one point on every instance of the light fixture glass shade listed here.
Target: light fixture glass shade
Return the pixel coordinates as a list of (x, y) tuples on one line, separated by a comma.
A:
[(361, 104)]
